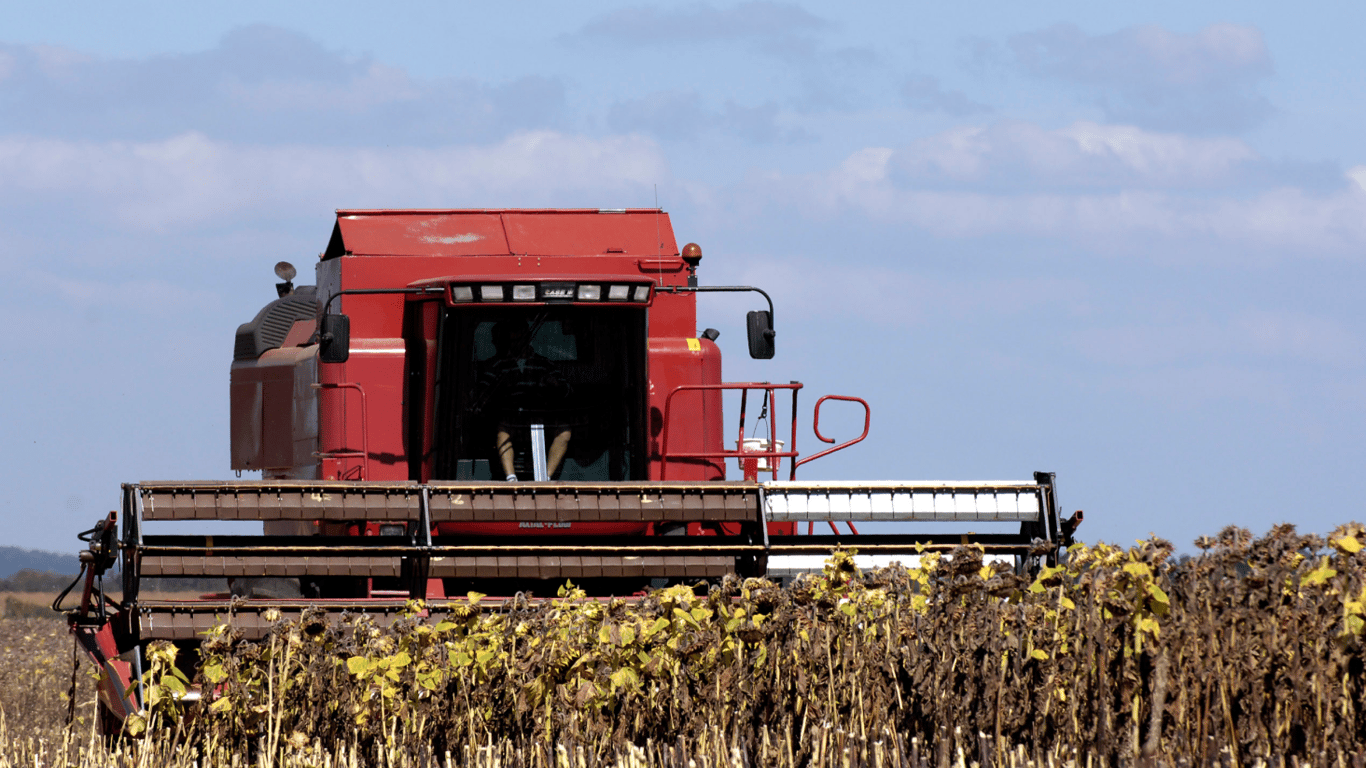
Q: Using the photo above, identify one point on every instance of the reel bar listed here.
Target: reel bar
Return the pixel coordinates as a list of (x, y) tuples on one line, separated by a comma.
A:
[(958, 502)]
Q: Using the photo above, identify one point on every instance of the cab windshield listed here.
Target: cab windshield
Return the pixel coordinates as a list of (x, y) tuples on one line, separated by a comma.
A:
[(576, 374)]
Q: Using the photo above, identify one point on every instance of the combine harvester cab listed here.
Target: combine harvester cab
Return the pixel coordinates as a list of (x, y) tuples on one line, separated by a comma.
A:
[(501, 400)]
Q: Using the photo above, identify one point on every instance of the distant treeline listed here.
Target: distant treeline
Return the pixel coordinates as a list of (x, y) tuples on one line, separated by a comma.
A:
[(15, 559), (30, 580)]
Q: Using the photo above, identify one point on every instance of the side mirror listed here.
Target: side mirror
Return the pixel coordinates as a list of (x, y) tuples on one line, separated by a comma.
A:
[(334, 339), (760, 326)]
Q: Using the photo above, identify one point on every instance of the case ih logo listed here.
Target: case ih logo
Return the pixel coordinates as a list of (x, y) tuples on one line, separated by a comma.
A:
[(566, 292)]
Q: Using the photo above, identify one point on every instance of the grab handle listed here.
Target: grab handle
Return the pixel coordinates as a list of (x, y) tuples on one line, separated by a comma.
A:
[(816, 425)]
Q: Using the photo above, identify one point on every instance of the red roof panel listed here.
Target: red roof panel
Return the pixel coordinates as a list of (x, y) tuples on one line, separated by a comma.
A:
[(548, 232), (577, 234), (422, 233)]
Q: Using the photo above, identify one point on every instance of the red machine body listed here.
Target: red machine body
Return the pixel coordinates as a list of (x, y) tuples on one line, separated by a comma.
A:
[(378, 415)]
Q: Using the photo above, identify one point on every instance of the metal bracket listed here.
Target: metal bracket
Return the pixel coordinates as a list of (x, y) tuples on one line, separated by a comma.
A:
[(538, 458)]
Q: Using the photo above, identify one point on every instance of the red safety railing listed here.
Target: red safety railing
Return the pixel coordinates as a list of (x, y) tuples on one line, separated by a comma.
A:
[(816, 426), (364, 453), (771, 453)]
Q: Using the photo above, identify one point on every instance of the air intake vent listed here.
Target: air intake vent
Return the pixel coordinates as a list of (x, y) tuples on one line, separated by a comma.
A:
[(270, 326)]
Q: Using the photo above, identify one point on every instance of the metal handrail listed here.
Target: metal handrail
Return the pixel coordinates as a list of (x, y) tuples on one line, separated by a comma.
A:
[(744, 387), (771, 453), (816, 425), (364, 453)]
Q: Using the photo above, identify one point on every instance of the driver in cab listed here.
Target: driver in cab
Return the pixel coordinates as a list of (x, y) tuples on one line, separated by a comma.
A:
[(522, 386)]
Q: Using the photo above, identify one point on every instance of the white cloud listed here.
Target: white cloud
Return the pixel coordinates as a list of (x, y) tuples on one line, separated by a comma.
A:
[(1357, 173), (1110, 188), (825, 78), (154, 297), (261, 84), (375, 86), (682, 116), (697, 22), (191, 179), (1083, 154), (840, 288), (1152, 76), (923, 93)]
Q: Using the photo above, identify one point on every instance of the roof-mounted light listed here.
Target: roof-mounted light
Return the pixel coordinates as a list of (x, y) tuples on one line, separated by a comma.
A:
[(551, 292), (285, 271)]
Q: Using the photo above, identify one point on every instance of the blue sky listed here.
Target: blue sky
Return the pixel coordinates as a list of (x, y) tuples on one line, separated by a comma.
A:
[(1121, 244)]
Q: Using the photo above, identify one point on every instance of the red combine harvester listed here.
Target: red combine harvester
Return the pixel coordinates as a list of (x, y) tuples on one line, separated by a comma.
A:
[(500, 400)]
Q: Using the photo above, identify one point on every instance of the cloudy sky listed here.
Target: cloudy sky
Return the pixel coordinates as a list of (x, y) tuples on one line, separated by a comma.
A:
[(1122, 245)]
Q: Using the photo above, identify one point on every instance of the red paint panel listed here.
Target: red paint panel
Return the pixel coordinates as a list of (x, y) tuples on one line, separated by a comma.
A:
[(423, 233), (674, 315), (299, 333), (378, 366), (491, 232), (304, 414), (246, 418), (548, 529), (274, 417), (333, 406), (695, 416), (586, 234), (277, 426)]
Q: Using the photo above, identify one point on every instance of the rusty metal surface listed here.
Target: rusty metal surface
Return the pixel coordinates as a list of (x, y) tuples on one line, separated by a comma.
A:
[(593, 502), (450, 502), (217, 565), (279, 500), (581, 567)]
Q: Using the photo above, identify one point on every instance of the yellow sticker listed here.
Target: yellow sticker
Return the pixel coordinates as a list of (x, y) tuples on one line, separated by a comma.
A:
[(694, 345)]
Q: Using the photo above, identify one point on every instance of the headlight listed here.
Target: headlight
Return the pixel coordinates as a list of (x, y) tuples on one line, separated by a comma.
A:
[(618, 292), (641, 293), (462, 293), (590, 292), (491, 292), (523, 293)]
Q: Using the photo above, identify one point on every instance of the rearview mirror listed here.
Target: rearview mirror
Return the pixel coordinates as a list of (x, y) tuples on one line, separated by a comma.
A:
[(334, 339), (760, 326)]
